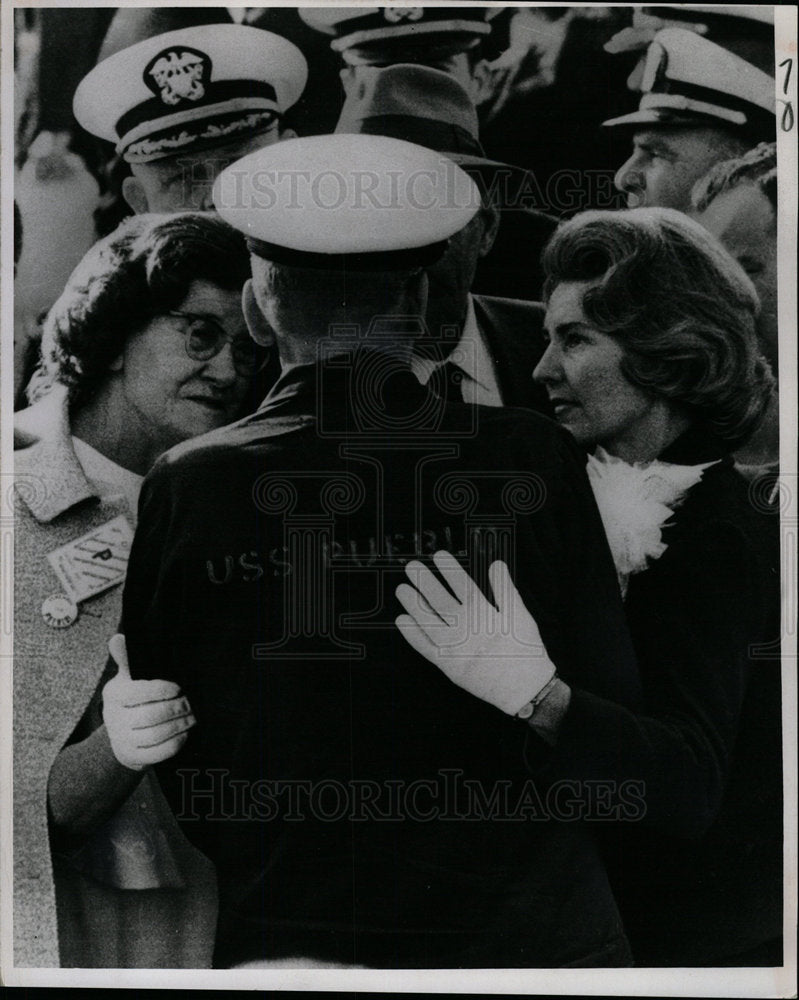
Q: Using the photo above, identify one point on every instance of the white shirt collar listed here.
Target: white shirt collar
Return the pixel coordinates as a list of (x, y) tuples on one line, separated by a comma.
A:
[(472, 356)]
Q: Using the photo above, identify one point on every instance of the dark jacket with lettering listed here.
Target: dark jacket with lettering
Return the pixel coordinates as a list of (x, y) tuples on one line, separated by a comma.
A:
[(359, 806)]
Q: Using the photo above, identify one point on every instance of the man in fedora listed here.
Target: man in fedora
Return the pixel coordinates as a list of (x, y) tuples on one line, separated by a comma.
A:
[(181, 104), (701, 104), (482, 348), (360, 808)]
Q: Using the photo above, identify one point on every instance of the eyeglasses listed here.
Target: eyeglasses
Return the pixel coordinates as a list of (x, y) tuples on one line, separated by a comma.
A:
[(205, 337)]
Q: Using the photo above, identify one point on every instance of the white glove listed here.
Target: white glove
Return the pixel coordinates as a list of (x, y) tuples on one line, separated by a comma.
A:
[(146, 721), (494, 653)]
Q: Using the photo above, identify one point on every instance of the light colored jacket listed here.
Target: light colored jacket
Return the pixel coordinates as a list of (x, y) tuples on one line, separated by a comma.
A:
[(137, 895)]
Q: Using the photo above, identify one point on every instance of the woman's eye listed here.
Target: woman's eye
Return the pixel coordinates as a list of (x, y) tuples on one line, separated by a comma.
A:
[(204, 334)]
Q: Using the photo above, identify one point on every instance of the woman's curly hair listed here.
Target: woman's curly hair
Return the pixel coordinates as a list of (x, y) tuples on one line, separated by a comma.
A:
[(141, 270), (683, 310)]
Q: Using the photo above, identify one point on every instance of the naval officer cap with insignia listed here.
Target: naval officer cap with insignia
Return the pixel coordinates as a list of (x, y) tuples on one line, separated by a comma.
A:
[(340, 229), (445, 38), (181, 105), (700, 104)]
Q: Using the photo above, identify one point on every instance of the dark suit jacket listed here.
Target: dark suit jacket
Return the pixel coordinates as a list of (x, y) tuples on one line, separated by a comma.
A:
[(514, 331)]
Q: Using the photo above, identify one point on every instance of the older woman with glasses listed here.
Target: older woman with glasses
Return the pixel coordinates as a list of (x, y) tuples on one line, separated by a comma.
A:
[(146, 347), (653, 366)]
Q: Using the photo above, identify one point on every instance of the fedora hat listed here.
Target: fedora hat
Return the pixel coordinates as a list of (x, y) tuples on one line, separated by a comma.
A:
[(430, 108)]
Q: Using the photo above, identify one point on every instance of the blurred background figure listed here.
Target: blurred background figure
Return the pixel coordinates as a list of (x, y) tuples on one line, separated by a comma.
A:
[(57, 196), (54, 190), (737, 202), (701, 103), (548, 85), (744, 29)]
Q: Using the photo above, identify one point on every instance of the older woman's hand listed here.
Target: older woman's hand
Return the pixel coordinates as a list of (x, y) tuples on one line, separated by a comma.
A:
[(493, 652), (146, 721)]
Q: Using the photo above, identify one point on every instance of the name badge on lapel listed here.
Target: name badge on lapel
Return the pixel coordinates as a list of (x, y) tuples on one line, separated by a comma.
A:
[(95, 562)]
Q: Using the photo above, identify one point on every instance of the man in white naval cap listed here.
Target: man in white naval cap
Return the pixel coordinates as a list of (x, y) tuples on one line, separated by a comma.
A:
[(444, 37), (180, 105), (359, 807), (700, 104), (747, 30)]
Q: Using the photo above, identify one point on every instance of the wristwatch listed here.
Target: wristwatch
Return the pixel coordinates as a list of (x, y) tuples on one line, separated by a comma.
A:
[(526, 712)]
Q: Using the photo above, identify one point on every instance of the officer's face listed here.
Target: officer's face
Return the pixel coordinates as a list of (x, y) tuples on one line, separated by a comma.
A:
[(581, 371), (171, 397), (744, 220), (184, 183), (666, 162)]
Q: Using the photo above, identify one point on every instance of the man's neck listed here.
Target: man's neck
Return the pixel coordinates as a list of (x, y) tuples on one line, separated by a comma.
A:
[(295, 352), (443, 333)]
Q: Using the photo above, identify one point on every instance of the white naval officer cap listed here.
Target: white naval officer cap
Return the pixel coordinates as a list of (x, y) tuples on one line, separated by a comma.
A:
[(688, 80), (361, 202), (352, 27), (190, 89)]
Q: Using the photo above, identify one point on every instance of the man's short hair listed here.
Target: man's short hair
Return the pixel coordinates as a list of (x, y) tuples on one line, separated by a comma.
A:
[(757, 167), (311, 299)]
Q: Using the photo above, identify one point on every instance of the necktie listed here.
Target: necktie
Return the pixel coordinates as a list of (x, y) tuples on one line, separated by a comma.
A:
[(447, 382)]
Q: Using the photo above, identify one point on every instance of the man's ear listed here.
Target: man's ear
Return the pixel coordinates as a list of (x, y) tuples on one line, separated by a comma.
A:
[(421, 293), (260, 331), (135, 195), (481, 81), (491, 219)]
